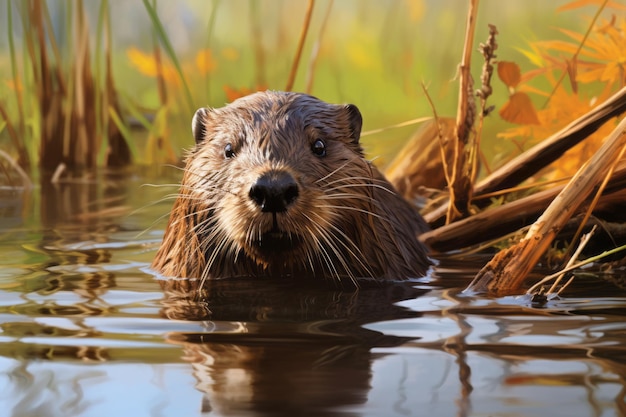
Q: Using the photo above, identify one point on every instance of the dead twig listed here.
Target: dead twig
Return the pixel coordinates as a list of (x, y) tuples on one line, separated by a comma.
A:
[(26, 182)]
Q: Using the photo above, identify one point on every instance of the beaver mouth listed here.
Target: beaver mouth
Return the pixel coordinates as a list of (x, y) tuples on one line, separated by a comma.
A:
[(277, 242)]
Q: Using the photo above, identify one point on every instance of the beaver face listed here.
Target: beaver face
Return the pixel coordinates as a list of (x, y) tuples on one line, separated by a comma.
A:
[(266, 173)]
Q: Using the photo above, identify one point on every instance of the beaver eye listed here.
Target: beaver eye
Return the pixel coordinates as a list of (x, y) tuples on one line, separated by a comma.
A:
[(319, 148), (228, 151)]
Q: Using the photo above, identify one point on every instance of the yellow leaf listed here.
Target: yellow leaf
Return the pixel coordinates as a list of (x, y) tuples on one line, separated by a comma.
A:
[(148, 65), (143, 62), (533, 56), (205, 62), (416, 9), (519, 109), (230, 54), (509, 73)]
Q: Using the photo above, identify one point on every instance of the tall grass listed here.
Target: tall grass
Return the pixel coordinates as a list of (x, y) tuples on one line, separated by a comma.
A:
[(68, 124), (77, 96)]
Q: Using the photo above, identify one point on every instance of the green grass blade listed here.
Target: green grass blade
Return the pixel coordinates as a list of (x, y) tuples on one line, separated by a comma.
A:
[(134, 111), (126, 133), (160, 32), (25, 153)]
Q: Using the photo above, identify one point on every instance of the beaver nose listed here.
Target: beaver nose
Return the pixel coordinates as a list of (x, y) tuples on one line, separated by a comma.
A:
[(274, 192)]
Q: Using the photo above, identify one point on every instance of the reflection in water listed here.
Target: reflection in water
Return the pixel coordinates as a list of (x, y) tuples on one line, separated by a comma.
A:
[(86, 330), (287, 349)]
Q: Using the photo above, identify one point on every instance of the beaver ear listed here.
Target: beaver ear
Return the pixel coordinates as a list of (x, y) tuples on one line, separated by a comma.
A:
[(355, 121), (199, 123)]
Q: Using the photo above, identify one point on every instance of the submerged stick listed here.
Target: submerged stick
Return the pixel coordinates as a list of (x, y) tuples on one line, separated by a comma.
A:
[(506, 272)]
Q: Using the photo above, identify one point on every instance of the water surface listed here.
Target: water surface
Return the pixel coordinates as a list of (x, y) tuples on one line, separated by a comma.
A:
[(87, 330)]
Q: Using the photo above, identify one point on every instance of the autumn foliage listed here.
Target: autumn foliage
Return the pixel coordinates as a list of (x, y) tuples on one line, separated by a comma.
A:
[(570, 78)]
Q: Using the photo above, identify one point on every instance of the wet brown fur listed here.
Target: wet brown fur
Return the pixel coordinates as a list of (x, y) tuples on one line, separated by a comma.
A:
[(346, 223)]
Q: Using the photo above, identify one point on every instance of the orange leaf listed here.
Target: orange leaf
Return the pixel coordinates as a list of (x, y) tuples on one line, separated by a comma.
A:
[(519, 109), (582, 3), (15, 84), (233, 94), (509, 73)]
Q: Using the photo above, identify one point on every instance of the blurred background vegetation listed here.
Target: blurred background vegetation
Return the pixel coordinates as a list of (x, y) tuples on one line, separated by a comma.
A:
[(113, 82)]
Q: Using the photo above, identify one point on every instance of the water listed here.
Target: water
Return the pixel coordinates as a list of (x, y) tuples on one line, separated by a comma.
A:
[(87, 330)]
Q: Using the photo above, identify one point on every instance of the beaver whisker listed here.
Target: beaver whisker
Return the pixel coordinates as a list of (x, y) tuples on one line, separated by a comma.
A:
[(346, 196), (205, 226), (310, 251), (308, 255), (177, 196), (333, 172), (207, 187), (356, 179), (206, 182), (220, 241), (172, 185), (356, 185), (364, 211), (357, 256), (323, 253)]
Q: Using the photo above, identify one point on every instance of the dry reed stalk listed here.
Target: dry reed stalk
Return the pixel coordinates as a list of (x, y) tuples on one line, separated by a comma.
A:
[(160, 77), (506, 272), (257, 41), (19, 131), (417, 167), (596, 198), (315, 50), (82, 118), (487, 50), (50, 88), (296, 60), (26, 182), (13, 132), (461, 188), (118, 152)]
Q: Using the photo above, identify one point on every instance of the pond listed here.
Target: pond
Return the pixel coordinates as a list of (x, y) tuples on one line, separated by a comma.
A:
[(86, 329)]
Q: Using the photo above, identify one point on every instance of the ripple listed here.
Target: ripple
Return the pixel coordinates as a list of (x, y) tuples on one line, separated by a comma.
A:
[(100, 342), (93, 268)]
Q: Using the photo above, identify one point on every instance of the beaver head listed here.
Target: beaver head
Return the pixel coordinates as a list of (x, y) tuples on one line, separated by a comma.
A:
[(277, 184)]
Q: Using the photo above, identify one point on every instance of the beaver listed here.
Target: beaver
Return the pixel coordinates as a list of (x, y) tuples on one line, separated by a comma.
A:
[(278, 185)]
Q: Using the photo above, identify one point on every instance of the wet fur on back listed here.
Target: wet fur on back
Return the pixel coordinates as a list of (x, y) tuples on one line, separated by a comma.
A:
[(323, 210)]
